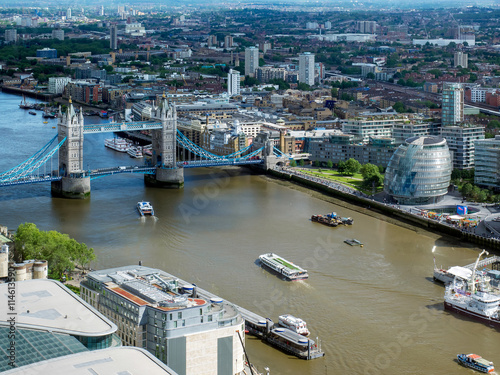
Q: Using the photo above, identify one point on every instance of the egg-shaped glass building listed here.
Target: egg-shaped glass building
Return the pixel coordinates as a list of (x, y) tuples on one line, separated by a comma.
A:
[(419, 171)]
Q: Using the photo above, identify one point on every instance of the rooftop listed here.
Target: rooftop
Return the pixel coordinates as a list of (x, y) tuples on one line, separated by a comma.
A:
[(427, 140), (48, 305), (121, 361)]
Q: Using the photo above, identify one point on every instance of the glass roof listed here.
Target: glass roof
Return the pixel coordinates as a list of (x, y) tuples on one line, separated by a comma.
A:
[(33, 346)]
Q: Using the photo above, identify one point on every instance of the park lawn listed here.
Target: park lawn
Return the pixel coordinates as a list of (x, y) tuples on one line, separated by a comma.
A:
[(355, 181)]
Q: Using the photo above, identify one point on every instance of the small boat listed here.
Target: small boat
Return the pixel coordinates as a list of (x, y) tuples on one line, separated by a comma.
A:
[(354, 242), (32, 113), (476, 362), (25, 105), (135, 152), (145, 208), (45, 122), (294, 324), (330, 219)]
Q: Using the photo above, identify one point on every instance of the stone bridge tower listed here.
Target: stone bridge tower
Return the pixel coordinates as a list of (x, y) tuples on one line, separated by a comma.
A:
[(164, 149), (73, 184)]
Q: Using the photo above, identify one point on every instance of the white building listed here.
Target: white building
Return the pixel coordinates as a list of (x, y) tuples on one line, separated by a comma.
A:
[(233, 83), (348, 37), (460, 59), (312, 25), (306, 68), (68, 14), (251, 60), (452, 104), (328, 25), (461, 143), (368, 27), (444, 42), (57, 84), (135, 29)]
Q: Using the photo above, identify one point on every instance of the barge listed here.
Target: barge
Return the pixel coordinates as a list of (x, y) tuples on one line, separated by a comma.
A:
[(283, 267), (332, 220)]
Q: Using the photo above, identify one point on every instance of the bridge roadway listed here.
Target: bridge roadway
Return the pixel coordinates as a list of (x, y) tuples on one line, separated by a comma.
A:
[(121, 127), (96, 173)]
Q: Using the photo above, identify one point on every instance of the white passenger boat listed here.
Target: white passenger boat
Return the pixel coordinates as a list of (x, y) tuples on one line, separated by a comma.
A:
[(117, 144), (283, 267), (295, 324), (145, 208), (135, 152)]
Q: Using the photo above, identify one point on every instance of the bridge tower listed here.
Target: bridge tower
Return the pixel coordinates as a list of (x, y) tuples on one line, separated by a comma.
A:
[(164, 149), (73, 184)]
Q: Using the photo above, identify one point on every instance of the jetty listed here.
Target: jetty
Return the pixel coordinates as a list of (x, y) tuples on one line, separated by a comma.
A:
[(264, 328), (464, 272)]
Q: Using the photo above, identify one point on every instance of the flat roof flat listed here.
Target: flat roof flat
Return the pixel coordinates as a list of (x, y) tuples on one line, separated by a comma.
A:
[(125, 360), (48, 305)]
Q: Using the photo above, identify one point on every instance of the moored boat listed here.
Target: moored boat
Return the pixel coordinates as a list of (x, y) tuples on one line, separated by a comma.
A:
[(326, 220), (476, 362), (117, 144), (145, 208), (282, 267), (295, 324), (32, 113), (353, 242), (135, 152)]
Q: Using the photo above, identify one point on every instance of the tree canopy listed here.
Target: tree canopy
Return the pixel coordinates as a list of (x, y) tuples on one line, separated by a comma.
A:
[(61, 252)]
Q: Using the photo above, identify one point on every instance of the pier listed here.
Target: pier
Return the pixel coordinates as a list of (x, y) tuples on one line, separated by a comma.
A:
[(264, 328)]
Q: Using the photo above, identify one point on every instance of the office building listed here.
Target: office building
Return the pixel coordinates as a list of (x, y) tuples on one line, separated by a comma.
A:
[(251, 60), (58, 34), (68, 13), (119, 360), (52, 321), (10, 35), (306, 68), (155, 311), (233, 83), (57, 84), (46, 53), (487, 162), (460, 141), (460, 59), (452, 104), (266, 73), (113, 37), (371, 126), (419, 172)]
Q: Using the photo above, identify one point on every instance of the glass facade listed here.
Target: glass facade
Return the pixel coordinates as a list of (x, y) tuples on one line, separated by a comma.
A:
[(487, 159), (453, 104), (419, 172)]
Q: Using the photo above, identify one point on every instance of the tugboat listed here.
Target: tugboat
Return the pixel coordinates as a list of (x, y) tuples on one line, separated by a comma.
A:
[(476, 362)]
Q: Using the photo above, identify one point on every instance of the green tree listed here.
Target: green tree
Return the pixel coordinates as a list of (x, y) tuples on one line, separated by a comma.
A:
[(399, 107), (60, 251), (352, 167), (482, 195), (302, 162), (293, 163), (316, 163), (329, 164), (370, 76), (494, 124), (467, 189), (335, 92), (368, 170)]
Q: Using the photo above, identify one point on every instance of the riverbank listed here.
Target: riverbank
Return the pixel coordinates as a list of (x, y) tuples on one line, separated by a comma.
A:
[(390, 213), (46, 97)]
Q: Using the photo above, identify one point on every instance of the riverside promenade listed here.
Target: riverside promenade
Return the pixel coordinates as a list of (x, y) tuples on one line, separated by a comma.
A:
[(486, 234)]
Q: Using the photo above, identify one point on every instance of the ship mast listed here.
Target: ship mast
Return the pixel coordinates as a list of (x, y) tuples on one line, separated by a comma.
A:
[(474, 271)]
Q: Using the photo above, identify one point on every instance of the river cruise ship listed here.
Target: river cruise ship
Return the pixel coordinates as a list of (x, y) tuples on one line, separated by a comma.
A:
[(283, 267), (145, 208), (117, 144)]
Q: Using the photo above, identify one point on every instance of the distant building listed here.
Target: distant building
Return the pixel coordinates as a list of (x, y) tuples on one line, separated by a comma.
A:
[(68, 13), (212, 40), (135, 29), (154, 311), (266, 46), (228, 41), (251, 60), (233, 83), (10, 35), (487, 162), (452, 104), (328, 25), (57, 84), (367, 27), (312, 25), (47, 53), (306, 68), (419, 172), (266, 73), (430, 87), (113, 37), (101, 10), (58, 34), (460, 59)]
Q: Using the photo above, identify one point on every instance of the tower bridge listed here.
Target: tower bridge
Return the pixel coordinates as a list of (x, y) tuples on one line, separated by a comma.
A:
[(70, 180)]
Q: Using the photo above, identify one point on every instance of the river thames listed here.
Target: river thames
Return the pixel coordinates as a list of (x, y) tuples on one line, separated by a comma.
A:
[(374, 309)]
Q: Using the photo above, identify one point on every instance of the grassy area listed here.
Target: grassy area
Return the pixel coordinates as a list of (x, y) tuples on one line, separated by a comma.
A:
[(355, 181), (286, 264)]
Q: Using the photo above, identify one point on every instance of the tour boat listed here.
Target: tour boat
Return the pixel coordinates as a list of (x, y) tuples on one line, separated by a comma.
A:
[(297, 325), (283, 267), (474, 298), (32, 113), (117, 144), (145, 208), (135, 152), (476, 362)]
